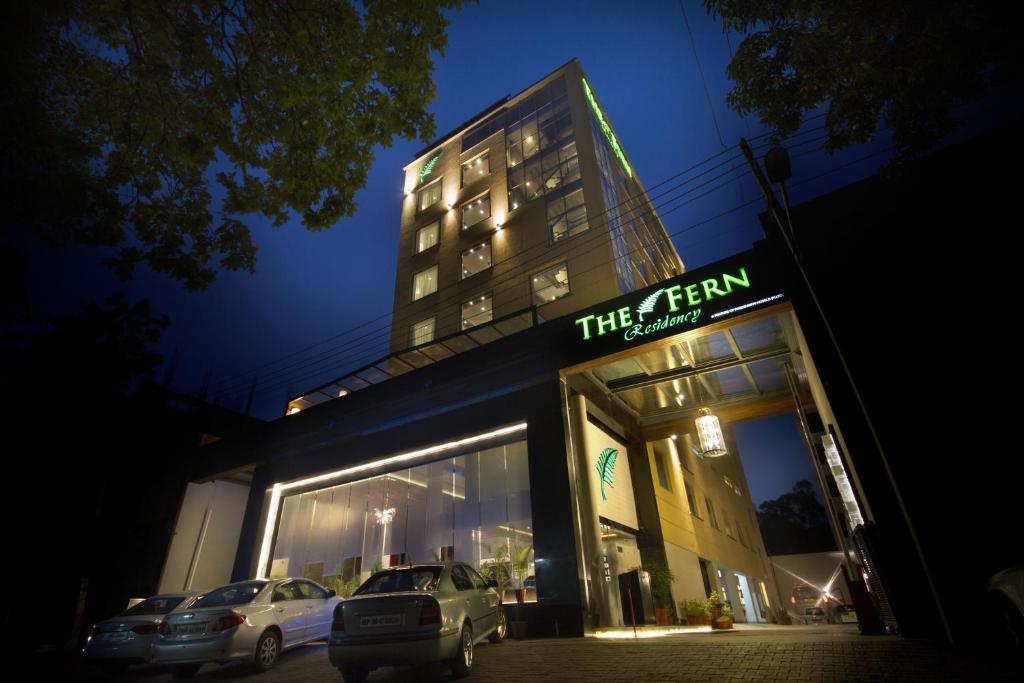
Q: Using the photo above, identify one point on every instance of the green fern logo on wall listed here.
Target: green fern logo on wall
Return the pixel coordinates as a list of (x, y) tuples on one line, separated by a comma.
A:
[(606, 469)]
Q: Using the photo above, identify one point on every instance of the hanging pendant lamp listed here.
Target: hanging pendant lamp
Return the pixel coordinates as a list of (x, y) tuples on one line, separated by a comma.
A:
[(709, 433)]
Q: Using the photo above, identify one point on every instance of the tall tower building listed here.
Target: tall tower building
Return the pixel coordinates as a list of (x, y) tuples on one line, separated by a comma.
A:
[(530, 206)]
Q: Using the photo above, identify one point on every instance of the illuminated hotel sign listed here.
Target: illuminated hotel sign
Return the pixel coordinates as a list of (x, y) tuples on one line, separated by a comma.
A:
[(428, 167), (673, 308), (608, 133)]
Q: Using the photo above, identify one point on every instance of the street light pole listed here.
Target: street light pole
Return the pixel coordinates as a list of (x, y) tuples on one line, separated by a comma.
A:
[(780, 163)]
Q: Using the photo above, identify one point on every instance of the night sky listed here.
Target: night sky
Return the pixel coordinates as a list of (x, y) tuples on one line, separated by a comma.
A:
[(312, 287)]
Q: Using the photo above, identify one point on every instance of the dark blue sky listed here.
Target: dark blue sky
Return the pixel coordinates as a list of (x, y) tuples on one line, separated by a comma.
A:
[(311, 287)]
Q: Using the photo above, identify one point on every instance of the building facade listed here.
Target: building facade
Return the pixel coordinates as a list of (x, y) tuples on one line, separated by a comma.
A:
[(532, 203), (557, 409)]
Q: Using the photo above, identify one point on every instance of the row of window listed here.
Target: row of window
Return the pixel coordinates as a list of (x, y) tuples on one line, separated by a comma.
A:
[(546, 286), (566, 215), (691, 499)]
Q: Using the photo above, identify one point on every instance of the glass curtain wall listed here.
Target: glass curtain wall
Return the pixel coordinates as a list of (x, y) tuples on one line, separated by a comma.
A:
[(474, 508)]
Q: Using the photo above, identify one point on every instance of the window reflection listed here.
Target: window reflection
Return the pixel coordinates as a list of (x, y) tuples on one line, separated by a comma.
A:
[(473, 508)]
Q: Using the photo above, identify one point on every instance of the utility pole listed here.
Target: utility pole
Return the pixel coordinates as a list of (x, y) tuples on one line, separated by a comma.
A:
[(775, 210)]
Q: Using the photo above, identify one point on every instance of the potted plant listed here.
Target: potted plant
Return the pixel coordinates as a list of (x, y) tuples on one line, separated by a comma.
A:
[(520, 561), (661, 590), (694, 610), (725, 620)]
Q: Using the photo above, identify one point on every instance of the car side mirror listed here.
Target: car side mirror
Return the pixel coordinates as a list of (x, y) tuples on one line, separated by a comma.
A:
[(492, 584), (331, 593)]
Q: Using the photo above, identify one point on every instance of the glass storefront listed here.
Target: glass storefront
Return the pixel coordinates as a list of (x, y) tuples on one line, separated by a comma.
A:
[(474, 508)]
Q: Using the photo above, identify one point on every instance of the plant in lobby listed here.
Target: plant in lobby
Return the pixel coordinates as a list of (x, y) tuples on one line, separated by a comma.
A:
[(521, 558), (661, 590)]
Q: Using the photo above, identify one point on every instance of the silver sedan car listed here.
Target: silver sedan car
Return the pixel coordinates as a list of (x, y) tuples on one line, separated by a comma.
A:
[(125, 639), (415, 615), (251, 621)]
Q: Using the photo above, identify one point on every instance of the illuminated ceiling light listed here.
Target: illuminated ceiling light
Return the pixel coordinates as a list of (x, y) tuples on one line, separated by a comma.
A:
[(674, 437), (293, 409), (343, 392), (709, 433)]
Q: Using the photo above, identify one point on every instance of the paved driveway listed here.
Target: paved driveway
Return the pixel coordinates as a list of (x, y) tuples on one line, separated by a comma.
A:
[(795, 653)]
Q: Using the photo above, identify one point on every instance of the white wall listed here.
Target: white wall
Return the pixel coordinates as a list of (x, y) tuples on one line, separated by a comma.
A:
[(205, 537), (685, 567)]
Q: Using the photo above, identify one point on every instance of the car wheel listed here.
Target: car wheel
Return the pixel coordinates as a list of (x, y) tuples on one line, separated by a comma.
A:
[(501, 628), (268, 648), (354, 674), (185, 670), (463, 662)]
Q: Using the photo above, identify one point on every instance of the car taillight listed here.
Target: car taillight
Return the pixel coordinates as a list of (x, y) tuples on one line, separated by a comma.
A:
[(339, 621), (144, 629), (230, 621), (163, 629), (430, 613)]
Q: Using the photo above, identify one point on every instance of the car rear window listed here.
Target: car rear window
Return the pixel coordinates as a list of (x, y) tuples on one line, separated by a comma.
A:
[(154, 606), (401, 581), (235, 594)]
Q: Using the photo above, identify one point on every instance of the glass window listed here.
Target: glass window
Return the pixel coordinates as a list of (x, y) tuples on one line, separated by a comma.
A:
[(154, 606), (691, 499), (476, 210), (659, 464), (475, 169), (567, 216), (424, 283), (286, 591), (711, 512), (422, 332), (402, 580), (477, 311), (235, 594), (472, 508), (726, 522), (476, 259), (461, 579), (478, 581), (426, 237), (429, 195), (311, 592), (550, 284)]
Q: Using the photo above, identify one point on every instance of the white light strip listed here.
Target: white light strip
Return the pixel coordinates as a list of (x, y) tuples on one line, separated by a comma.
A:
[(275, 492), (750, 305), (268, 532)]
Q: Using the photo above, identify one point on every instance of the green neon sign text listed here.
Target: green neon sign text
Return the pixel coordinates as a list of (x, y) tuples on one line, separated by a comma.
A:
[(429, 166), (678, 297), (608, 133)]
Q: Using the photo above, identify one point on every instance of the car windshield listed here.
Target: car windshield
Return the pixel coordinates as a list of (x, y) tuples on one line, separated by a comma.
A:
[(401, 581), (154, 606), (235, 594)]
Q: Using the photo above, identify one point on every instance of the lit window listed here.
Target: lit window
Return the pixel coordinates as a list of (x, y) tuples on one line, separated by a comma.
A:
[(691, 499), (429, 195), (477, 311), (476, 259), (475, 169), (424, 283), (550, 284), (475, 210), (711, 512), (567, 216), (422, 332), (659, 464), (426, 237)]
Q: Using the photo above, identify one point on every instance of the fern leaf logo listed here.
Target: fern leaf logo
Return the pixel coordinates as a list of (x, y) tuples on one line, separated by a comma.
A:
[(647, 305), (606, 469)]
